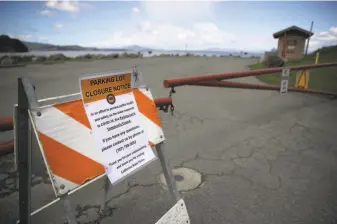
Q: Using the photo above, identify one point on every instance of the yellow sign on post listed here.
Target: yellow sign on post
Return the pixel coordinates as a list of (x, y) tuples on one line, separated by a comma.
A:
[(317, 58), (302, 79)]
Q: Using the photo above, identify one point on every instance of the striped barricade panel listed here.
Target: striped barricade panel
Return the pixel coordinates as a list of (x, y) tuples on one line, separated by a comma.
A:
[(68, 146)]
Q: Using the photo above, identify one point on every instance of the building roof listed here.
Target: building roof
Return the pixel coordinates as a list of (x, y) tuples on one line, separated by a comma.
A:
[(293, 28)]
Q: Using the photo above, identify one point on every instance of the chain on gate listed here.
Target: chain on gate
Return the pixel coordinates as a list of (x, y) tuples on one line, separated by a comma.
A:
[(171, 106)]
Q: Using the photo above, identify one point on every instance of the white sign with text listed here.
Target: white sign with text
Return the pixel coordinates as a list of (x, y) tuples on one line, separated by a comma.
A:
[(116, 123), (284, 82)]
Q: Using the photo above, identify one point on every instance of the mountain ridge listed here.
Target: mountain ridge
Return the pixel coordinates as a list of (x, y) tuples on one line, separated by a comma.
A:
[(37, 46)]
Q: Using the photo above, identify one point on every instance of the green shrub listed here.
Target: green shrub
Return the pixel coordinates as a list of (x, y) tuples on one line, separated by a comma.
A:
[(130, 55), (111, 56), (27, 58), (6, 60), (274, 61), (164, 55), (88, 56), (40, 59), (57, 57), (84, 57), (17, 59)]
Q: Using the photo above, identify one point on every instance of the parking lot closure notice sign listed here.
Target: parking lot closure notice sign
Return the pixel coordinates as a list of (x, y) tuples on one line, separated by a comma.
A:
[(116, 124)]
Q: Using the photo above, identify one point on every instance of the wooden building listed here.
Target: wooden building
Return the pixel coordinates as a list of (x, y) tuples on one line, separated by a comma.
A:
[(291, 42)]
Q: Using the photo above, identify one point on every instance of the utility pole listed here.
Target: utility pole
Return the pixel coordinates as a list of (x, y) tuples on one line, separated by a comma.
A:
[(306, 49)]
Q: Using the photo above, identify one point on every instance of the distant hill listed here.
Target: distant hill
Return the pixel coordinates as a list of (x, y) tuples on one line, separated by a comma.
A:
[(137, 48), (8, 44), (33, 46), (327, 54), (327, 50)]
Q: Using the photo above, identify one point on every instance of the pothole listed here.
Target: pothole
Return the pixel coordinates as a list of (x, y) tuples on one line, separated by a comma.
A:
[(186, 179)]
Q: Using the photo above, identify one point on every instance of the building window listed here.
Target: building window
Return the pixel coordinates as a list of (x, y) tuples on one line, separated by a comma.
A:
[(291, 42), (291, 45)]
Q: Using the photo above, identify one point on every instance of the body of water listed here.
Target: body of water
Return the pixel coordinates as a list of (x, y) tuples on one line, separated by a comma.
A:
[(73, 54)]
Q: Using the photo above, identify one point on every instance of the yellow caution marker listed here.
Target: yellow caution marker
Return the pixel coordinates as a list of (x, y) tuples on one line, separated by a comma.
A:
[(302, 79)]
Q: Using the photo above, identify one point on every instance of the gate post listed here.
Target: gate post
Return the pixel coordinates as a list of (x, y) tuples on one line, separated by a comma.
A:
[(24, 154), (167, 170), (26, 100)]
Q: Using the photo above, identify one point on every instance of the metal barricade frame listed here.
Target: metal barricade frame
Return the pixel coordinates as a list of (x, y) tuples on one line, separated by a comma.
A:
[(27, 102)]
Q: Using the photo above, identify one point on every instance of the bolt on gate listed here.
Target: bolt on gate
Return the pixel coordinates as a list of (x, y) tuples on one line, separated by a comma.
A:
[(70, 132)]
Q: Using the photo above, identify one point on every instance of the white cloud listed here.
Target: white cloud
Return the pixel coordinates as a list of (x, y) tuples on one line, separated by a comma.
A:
[(43, 38), (135, 10), (67, 5), (21, 36), (333, 30), (322, 39), (163, 27), (169, 36), (46, 12), (58, 26), (25, 36), (178, 12), (11, 35), (172, 25)]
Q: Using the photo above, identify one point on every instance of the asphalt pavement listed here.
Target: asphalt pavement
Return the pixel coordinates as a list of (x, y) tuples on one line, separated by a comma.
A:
[(264, 158)]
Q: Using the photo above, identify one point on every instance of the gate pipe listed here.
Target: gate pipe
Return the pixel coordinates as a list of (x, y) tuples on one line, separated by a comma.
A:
[(229, 84), (196, 79), (6, 147), (163, 101), (6, 124)]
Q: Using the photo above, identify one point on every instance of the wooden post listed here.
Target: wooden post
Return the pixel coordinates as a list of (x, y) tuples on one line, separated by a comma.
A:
[(284, 45)]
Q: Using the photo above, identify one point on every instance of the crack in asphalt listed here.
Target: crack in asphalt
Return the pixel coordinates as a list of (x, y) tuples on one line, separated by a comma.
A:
[(9, 177), (189, 160), (130, 187), (83, 212), (100, 215)]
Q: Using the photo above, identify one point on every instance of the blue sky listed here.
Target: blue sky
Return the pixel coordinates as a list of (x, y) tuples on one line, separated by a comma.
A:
[(168, 25)]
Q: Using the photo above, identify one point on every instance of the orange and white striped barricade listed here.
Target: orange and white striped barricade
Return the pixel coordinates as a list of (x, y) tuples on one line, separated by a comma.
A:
[(69, 146)]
